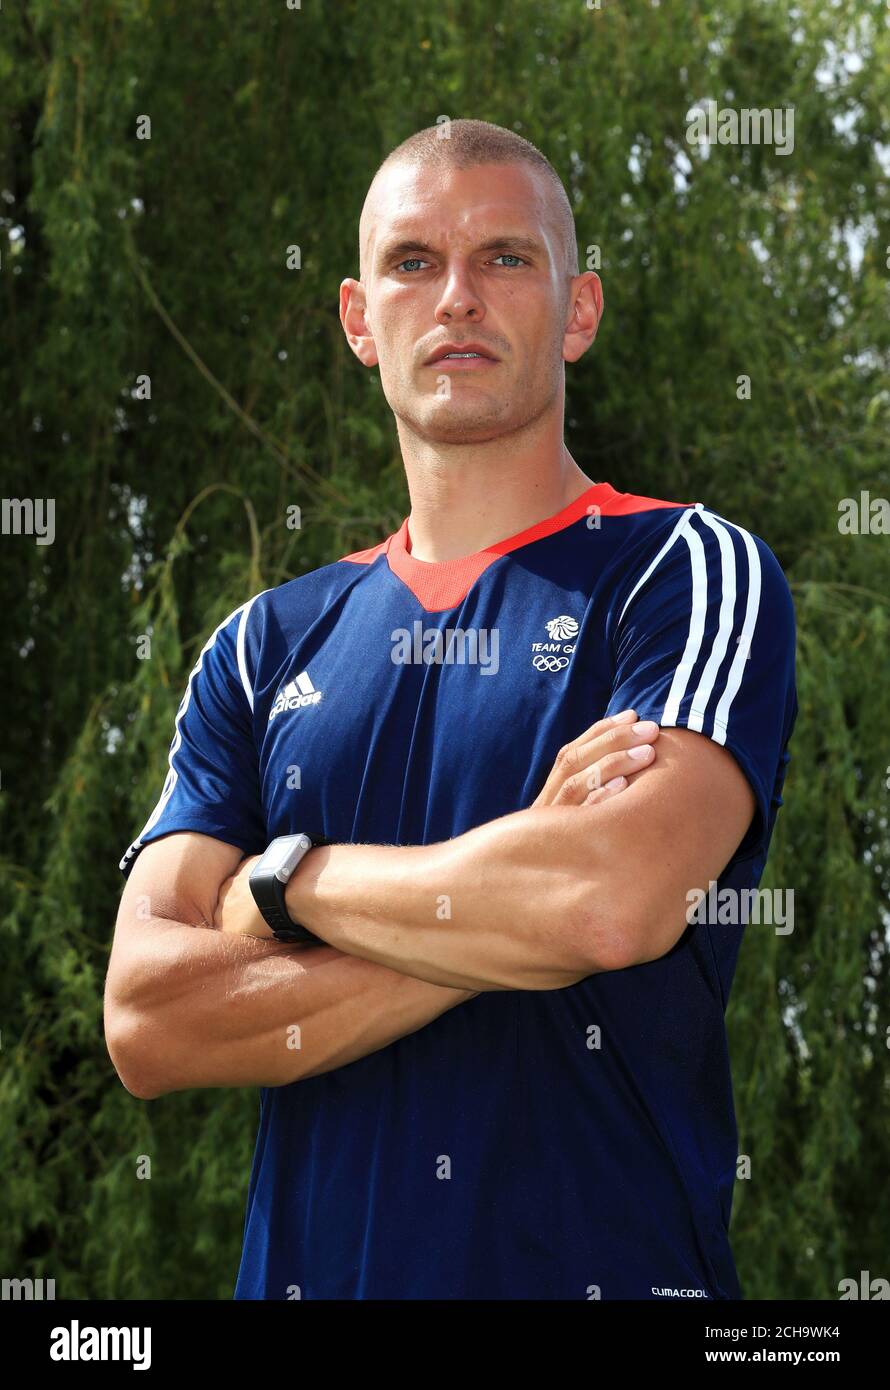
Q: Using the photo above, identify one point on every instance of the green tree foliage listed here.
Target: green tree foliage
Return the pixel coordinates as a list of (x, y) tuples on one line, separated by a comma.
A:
[(123, 258)]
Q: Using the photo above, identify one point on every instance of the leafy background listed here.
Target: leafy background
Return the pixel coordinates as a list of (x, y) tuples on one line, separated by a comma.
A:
[(121, 257)]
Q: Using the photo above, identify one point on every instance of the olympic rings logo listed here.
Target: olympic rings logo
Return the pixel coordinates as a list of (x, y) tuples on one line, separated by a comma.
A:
[(550, 663)]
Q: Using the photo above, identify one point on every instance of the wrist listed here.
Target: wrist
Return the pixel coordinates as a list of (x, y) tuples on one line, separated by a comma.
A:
[(300, 893), (344, 893)]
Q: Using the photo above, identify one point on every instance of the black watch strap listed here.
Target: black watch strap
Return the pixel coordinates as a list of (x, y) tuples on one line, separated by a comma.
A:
[(269, 896)]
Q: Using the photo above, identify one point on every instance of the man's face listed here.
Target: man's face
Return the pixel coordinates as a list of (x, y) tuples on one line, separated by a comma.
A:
[(464, 257)]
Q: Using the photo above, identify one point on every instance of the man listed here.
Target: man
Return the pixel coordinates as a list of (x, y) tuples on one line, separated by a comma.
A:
[(502, 1071)]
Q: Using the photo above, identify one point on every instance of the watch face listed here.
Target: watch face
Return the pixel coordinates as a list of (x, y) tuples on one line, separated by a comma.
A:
[(284, 854)]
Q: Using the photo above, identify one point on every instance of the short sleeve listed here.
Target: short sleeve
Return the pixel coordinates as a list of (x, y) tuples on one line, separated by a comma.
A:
[(212, 782), (704, 638)]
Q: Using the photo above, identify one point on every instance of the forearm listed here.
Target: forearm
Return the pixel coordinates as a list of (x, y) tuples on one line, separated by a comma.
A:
[(202, 1008), (503, 906)]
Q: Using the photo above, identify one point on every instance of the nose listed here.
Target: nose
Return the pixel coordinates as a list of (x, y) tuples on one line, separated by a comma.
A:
[(460, 297)]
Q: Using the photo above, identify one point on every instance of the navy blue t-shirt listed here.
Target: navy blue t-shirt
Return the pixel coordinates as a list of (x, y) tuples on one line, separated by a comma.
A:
[(589, 1131)]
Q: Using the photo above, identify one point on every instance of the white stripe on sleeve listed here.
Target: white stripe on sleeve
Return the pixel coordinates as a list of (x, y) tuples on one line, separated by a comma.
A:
[(172, 775), (696, 637)]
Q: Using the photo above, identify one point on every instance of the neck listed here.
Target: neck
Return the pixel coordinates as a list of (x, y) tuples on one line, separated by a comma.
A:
[(465, 497)]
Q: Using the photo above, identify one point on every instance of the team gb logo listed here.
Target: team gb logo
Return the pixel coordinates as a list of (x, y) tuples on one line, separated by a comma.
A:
[(554, 655), (558, 629)]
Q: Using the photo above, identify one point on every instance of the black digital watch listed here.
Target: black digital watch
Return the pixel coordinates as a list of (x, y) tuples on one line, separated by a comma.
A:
[(269, 878)]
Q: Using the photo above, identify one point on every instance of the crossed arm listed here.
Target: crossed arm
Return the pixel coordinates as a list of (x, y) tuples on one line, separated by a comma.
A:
[(534, 900)]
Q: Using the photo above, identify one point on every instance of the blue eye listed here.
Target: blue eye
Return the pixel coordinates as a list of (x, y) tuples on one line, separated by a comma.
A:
[(412, 260), (509, 256)]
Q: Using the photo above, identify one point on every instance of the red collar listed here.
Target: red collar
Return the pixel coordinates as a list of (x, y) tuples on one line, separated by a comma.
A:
[(442, 584)]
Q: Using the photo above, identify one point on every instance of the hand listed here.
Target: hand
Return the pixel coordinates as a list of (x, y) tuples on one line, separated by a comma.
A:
[(236, 911), (585, 769)]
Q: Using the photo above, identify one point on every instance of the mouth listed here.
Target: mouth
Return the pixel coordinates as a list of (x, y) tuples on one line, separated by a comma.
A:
[(461, 359)]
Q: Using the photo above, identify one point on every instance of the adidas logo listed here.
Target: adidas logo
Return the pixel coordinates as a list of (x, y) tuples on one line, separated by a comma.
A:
[(295, 695)]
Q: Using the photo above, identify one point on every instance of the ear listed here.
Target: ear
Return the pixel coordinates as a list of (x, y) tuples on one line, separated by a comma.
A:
[(353, 317), (586, 303)]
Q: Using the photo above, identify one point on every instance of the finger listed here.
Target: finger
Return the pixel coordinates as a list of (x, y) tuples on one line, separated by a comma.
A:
[(620, 737), (568, 759), (624, 763), (582, 768), (612, 788)]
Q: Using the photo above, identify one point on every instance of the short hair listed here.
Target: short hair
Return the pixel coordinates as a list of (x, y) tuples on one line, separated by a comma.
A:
[(462, 144)]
